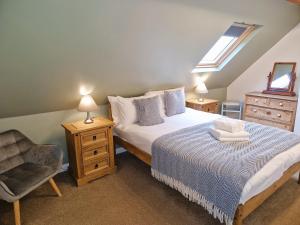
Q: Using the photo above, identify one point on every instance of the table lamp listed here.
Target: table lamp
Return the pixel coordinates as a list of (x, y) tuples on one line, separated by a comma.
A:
[(87, 104), (201, 89)]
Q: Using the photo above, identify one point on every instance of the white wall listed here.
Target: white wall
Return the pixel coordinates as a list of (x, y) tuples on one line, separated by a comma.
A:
[(255, 77)]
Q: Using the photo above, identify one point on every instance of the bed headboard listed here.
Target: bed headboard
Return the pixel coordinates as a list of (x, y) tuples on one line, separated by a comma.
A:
[(109, 112)]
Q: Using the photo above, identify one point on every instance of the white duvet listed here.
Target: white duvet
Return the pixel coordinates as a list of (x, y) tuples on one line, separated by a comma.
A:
[(143, 136)]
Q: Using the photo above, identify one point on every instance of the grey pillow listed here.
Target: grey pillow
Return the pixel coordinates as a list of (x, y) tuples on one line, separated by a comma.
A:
[(174, 102), (147, 110)]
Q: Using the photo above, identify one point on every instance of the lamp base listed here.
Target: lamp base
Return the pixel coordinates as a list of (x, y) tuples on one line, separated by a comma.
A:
[(88, 118)]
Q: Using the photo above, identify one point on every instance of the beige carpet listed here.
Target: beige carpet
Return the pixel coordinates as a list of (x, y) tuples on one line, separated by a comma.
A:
[(132, 197)]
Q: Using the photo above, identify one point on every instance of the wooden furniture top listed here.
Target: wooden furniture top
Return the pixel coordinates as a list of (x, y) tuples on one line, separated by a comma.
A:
[(205, 101), (259, 94), (79, 126)]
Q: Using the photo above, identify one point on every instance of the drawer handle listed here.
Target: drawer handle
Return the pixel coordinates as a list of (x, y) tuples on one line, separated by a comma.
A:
[(254, 110), (268, 113), (95, 152), (96, 166), (281, 104), (279, 115), (94, 138)]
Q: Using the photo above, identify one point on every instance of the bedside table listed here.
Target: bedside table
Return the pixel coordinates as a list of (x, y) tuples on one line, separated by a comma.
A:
[(90, 149), (208, 105)]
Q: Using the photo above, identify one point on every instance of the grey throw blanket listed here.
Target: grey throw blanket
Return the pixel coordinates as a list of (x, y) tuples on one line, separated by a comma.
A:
[(213, 173)]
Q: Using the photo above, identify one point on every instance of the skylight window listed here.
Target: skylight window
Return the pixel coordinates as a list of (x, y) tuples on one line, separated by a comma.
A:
[(226, 47)]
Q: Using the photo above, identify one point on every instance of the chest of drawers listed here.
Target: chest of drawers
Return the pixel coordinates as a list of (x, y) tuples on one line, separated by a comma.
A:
[(90, 149), (271, 110)]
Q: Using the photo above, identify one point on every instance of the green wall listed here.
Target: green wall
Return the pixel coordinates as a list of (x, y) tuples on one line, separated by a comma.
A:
[(45, 128), (49, 48)]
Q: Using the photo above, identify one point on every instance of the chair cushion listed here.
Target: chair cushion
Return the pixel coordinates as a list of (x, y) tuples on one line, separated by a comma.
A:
[(24, 177)]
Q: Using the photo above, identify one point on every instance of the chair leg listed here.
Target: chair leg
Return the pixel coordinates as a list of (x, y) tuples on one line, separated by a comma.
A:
[(17, 212), (54, 187)]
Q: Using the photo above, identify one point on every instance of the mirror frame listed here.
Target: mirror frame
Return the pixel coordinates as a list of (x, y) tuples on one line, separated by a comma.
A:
[(282, 91)]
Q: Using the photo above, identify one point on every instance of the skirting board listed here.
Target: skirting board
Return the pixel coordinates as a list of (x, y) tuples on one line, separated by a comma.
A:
[(64, 168)]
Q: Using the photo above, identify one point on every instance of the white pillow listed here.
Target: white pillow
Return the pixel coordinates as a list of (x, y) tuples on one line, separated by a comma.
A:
[(114, 109), (127, 110)]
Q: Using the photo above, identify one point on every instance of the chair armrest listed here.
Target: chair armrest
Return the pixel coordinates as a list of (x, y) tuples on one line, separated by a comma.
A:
[(48, 155)]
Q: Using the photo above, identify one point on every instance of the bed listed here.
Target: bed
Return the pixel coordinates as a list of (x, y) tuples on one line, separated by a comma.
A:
[(138, 141)]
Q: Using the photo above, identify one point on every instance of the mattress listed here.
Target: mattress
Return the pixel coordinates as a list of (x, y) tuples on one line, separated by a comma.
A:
[(143, 136)]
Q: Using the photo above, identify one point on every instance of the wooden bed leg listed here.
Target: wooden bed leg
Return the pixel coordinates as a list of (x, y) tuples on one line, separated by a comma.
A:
[(238, 218), (54, 187), (17, 212)]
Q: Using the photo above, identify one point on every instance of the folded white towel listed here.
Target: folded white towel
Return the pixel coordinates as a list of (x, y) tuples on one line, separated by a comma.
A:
[(222, 135), (229, 125)]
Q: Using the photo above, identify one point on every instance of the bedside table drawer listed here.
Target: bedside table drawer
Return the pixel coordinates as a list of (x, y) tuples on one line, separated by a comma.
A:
[(211, 108), (96, 166), (94, 137), (194, 106), (93, 153)]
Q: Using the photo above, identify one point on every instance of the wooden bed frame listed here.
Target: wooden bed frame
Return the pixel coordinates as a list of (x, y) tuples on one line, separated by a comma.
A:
[(243, 210)]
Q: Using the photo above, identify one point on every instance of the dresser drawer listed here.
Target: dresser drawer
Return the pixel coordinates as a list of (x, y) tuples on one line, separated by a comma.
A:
[(269, 114), (96, 166), (95, 153), (272, 103), (259, 101), (269, 123), (95, 137), (282, 104)]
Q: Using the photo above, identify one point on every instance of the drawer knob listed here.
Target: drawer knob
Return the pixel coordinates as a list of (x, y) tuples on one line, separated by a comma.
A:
[(96, 166), (254, 110), (268, 113), (94, 138), (256, 100), (95, 152), (279, 115), (281, 104)]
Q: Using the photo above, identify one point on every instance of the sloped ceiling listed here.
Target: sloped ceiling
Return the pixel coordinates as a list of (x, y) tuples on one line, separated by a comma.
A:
[(49, 48)]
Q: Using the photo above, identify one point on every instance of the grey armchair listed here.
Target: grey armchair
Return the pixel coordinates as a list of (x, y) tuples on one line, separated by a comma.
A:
[(24, 166)]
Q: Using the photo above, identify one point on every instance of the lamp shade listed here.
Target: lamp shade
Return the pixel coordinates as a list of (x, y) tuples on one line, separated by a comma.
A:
[(201, 88), (87, 104)]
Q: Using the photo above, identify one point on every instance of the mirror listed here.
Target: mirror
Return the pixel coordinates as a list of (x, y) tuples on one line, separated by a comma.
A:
[(281, 81), (282, 76)]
